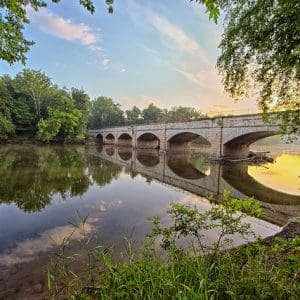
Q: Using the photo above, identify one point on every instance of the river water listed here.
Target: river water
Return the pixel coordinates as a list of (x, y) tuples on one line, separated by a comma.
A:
[(44, 189)]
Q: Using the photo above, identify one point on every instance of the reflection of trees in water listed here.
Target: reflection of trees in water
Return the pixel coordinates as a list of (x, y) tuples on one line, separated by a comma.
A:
[(200, 162), (103, 171), (30, 176), (188, 167)]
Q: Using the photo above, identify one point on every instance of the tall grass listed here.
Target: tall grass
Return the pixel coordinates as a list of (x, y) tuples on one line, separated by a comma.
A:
[(252, 271)]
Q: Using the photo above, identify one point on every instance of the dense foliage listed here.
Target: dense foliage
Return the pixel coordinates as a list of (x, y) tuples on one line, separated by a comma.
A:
[(31, 105), (260, 49)]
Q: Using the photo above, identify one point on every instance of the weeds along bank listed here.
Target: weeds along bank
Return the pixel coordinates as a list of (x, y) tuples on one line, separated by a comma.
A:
[(258, 270)]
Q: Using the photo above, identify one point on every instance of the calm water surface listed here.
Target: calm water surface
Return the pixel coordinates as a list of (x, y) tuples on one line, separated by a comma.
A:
[(41, 188)]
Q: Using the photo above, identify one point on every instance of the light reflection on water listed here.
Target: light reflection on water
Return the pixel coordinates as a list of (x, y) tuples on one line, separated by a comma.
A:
[(283, 175), (42, 187)]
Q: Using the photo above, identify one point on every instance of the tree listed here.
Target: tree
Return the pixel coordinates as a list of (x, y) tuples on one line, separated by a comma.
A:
[(63, 122), (151, 114), (34, 84), (105, 113), (22, 117), (133, 116), (6, 127), (13, 18), (261, 45), (183, 114), (81, 99), (15, 108), (31, 97), (5, 96)]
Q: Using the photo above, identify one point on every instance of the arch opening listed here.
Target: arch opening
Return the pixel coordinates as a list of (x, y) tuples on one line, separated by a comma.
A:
[(110, 139), (239, 147), (99, 138), (125, 140), (187, 141), (148, 141)]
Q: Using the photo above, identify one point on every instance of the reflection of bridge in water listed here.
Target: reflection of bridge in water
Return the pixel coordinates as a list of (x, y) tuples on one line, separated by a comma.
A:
[(179, 171)]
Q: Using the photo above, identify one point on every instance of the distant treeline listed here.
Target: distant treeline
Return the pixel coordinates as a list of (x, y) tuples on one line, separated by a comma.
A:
[(105, 113), (31, 106)]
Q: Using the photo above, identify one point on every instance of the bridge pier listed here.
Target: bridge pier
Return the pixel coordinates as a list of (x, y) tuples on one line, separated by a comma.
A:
[(236, 151)]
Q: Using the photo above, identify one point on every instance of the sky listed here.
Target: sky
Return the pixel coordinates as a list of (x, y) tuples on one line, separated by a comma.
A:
[(145, 52)]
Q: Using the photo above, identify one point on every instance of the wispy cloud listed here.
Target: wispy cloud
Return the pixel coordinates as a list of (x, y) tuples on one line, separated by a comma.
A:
[(210, 84), (142, 101), (169, 30), (65, 28), (204, 78), (105, 63)]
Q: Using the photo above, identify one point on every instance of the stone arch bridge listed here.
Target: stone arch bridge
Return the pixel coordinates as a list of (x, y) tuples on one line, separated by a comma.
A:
[(228, 136)]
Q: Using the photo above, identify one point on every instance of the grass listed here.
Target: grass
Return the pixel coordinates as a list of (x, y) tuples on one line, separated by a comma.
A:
[(252, 271)]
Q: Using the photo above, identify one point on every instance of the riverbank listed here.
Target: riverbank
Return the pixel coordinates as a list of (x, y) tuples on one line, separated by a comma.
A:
[(33, 141), (263, 269), (259, 270)]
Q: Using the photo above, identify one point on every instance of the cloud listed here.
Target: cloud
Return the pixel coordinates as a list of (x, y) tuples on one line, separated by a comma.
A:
[(169, 30), (212, 96), (28, 249), (65, 29), (123, 70), (105, 63), (208, 79), (141, 101)]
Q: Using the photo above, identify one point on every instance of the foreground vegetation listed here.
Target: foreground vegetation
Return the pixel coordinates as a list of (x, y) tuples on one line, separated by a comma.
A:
[(194, 270)]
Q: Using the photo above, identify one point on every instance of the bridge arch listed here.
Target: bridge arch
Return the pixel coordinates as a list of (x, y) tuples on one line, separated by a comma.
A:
[(110, 139), (99, 137), (148, 140), (239, 145), (183, 141), (125, 140)]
